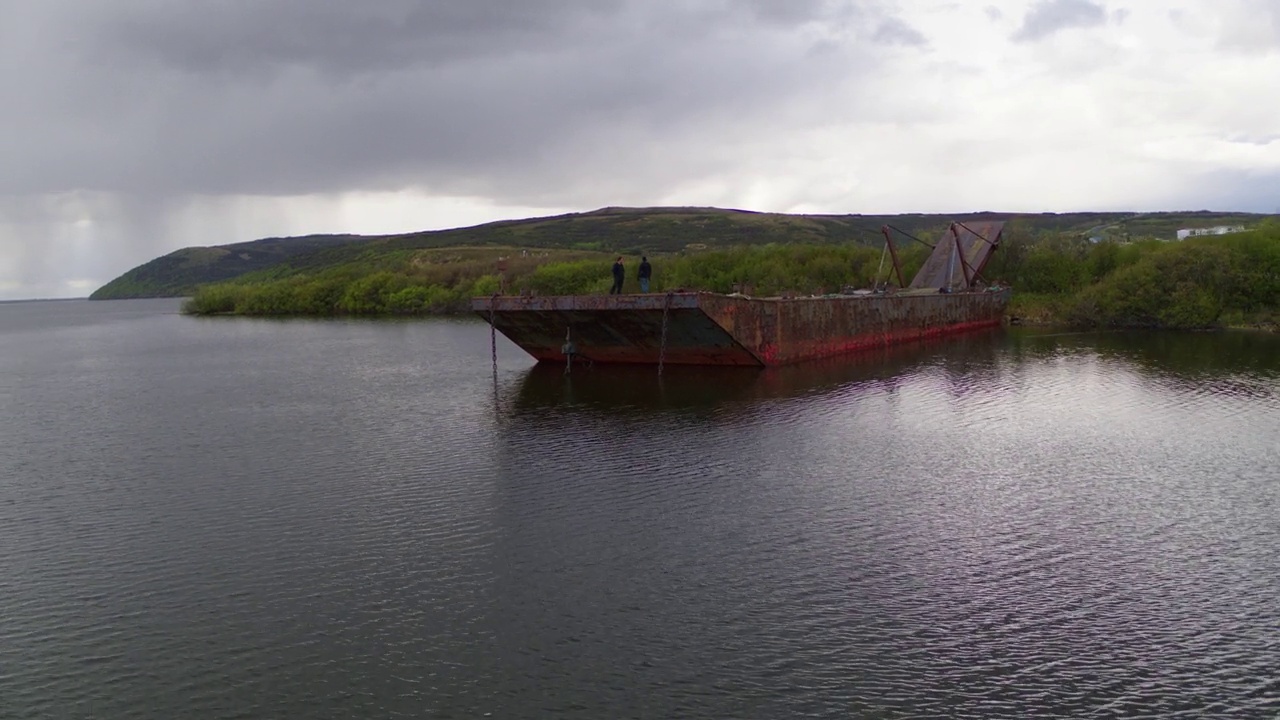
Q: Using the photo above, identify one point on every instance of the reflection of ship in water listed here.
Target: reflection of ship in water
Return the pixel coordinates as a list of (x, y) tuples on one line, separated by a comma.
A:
[(639, 387)]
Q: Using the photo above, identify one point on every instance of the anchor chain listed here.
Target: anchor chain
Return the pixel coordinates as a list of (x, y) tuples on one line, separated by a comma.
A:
[(662, 349)]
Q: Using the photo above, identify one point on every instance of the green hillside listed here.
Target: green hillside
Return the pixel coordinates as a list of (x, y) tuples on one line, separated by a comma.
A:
[(180, 272), (631, 231)]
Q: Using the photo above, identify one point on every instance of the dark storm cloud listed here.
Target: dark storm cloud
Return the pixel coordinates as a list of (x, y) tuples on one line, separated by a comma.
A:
[(52, 252), (1051, 16), (145, 120), (464, 97), (340, 38)]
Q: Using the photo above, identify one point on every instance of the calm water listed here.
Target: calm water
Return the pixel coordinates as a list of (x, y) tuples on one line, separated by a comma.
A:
[(254, 519)]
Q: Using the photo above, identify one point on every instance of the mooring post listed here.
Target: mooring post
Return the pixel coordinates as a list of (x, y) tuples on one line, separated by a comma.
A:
[(568, 350), (493, 334), (662, 348)]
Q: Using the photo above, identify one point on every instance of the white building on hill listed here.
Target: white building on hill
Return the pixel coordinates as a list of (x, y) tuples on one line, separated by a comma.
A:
[(1185, 233)]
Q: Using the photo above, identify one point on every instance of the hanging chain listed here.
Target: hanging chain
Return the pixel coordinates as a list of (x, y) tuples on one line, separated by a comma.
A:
[(662, 349)]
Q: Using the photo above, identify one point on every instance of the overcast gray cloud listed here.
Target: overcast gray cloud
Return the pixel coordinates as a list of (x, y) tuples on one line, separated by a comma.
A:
[(1255, 29), (894, 31), (134, 127), (1047, 17), (295, 96), (146, 105)]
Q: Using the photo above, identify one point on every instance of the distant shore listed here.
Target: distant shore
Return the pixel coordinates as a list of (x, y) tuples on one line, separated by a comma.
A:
[(1199, 283)]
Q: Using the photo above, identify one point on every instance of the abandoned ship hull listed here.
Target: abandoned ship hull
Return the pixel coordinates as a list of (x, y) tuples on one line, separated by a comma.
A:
[(714, 329)]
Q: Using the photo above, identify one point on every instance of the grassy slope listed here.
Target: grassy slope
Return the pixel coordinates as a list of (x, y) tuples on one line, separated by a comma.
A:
[(178, 273), (612, 230)]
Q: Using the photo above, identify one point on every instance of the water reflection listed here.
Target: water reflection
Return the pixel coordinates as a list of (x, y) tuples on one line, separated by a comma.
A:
[(1231, 363), (625, 389), (200, 519), (1005, 525), (1187, 354)]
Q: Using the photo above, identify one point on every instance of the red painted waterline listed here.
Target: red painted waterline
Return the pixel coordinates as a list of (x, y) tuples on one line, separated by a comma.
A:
[(843, 346), (636, 356)]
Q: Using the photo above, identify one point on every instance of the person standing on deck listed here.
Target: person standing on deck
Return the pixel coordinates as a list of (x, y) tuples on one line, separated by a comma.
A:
[(618, 275), (646, 270)]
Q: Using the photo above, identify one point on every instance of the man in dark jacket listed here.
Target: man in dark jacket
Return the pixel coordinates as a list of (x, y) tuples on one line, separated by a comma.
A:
[(618, 275), (646, 270)]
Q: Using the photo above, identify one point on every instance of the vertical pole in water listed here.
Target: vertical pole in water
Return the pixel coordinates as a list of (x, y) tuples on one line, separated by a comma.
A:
[(493, 331), (662, 349), (493, 337), (568, 350)]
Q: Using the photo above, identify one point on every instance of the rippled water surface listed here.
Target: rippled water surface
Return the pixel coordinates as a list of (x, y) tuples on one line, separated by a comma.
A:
[(256, 519)]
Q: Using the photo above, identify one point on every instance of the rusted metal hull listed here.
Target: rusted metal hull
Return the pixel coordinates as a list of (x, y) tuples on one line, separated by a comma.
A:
[(714, 329)]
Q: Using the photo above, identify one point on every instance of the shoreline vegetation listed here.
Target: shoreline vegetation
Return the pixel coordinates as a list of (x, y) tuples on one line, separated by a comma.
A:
[(1199, 283)]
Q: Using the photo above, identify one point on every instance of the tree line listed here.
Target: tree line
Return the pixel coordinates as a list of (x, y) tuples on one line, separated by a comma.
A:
[(1197, 283), (1214, 281)]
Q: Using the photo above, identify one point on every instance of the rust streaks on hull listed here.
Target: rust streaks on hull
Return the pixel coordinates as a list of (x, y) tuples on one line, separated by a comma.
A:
[(714, 329), (615, 329)]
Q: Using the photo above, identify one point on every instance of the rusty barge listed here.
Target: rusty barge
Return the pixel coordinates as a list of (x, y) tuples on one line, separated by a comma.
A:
[(946, 296)]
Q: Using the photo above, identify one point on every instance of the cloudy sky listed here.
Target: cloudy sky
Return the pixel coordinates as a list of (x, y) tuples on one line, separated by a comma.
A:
[(135, 127)]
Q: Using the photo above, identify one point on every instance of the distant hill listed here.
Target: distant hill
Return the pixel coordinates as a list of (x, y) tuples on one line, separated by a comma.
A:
[(632, 231), (178, 273)]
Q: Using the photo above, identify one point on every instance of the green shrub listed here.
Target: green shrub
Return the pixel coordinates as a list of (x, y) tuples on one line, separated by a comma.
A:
[(1203, 282), (569, 278), (212, 300)]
